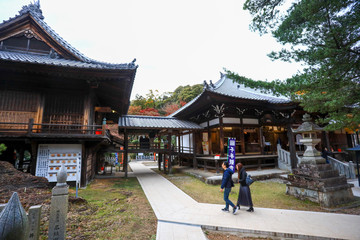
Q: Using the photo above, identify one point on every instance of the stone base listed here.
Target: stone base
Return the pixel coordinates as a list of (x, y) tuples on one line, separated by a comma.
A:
[(312, 160), (325, 199)]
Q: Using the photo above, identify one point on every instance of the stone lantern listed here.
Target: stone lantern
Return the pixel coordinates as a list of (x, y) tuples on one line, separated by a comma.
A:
[(308, 131), (313, 179)]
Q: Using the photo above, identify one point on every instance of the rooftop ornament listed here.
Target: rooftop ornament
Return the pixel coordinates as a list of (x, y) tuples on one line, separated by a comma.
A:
[(308, 130), (34, 8)]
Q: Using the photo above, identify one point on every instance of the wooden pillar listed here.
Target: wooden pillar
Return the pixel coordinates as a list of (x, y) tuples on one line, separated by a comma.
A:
[(160, 161), (261, 140), (34, 147), (21, 157), (292, 148), (209, 137), (327, 141), (189, 142), (195, 165), (182, 143), (169, 151), (126, 146), (178, 148), (242, 137), (222, 152)]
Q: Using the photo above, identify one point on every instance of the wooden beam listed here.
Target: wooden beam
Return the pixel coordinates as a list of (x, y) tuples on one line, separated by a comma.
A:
[(261, 137), (178, 147), (242, 136), (160, 161), (103, 109), (169, 151), (126, 145), (292, 148), (195, 165), (327, 141), (222, 153), (209, 137)]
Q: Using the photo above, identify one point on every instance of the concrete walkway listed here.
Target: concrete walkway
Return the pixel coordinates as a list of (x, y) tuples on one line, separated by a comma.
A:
[(181, 217)]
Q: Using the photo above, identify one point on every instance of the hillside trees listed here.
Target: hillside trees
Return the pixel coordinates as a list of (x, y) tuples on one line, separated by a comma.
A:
[(154, 104)]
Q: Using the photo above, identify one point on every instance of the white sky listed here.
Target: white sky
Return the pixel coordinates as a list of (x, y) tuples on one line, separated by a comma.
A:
[(182, 42)]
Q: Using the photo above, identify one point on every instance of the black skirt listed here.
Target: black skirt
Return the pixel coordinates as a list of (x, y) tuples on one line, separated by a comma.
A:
[(244, 196)]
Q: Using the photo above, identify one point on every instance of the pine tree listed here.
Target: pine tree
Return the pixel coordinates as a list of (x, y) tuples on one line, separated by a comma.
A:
[(324, 35)]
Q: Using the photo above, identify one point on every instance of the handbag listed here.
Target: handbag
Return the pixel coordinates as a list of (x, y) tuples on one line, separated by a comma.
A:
[(249, 180)]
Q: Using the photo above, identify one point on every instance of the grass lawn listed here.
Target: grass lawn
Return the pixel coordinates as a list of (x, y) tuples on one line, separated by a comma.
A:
[(110, 209), (265, 194)]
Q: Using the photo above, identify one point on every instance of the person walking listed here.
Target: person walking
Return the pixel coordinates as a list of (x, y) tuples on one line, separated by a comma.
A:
[(244, 191), (227, 184)]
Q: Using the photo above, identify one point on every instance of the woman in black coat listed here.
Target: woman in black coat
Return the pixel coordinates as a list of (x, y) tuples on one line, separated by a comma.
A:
[(244, 191)]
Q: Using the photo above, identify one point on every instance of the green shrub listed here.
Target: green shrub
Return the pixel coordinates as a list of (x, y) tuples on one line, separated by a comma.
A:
[(2, 148)]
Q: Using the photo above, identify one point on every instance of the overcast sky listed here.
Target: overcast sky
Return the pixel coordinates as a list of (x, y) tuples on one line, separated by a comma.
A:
[(182, 42)]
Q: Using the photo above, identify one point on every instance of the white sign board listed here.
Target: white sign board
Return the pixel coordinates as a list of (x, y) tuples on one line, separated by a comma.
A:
[(51, 156)]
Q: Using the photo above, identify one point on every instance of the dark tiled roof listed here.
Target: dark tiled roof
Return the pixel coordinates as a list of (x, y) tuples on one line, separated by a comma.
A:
[(40, 59), (227, 87), (34, 10), (130, 121)]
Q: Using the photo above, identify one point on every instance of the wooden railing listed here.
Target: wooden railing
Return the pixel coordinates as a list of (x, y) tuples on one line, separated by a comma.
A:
[(31, 128), (346, 169)]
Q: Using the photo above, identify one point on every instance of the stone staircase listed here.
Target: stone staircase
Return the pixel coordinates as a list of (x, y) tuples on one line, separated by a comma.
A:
[(319, 183)]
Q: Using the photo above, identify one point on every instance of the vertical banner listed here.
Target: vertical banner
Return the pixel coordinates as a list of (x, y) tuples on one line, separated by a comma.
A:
[(116, 158), (231, 153)]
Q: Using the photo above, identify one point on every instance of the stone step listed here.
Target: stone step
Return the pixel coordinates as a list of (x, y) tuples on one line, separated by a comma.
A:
[(317, 183), (315, 167), (334, 181), (317, 174)]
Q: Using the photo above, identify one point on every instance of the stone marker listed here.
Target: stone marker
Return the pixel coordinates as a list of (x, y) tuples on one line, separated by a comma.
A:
[(59, 207), (34, 217), (14, 223)]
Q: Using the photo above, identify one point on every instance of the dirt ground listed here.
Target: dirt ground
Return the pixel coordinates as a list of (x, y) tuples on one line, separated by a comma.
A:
[(213, 235), (117, 209), (31, 190)]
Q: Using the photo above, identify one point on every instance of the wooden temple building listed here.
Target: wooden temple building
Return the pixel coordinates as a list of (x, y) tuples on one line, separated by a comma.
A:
[(197, 133), (54, 100), (56, 106), (224, 110)]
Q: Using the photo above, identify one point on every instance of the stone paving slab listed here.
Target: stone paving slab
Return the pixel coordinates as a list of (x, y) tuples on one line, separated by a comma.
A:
[(286, 222), (175, 231), (171, 205)]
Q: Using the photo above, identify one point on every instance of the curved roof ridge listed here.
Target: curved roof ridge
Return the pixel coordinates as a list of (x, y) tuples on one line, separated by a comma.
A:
[(226, 86), (250, 90), (40, 59), (221, 81), (35, 11)]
